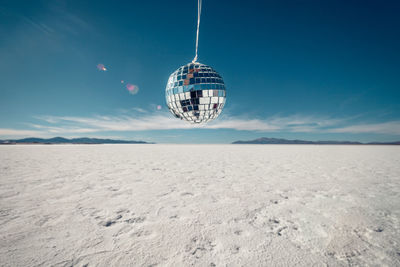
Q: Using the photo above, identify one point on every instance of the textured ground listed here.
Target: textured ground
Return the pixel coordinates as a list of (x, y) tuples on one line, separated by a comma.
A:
[(203, 205)]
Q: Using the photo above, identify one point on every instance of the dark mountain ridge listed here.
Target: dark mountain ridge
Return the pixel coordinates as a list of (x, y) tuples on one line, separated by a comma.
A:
[(266, 140), (62, 140)]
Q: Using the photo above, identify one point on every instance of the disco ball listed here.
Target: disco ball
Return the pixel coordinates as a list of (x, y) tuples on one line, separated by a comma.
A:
[(195, 93)]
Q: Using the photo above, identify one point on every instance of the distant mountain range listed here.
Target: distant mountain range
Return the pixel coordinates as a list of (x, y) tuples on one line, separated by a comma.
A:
[(266, 140), (62, 140), (262, 140)]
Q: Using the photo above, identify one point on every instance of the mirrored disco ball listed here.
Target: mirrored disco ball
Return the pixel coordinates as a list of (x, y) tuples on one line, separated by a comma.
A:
[(196, 93)]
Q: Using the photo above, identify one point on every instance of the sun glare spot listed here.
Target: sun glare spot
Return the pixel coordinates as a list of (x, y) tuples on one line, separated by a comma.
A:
[(101, 67)]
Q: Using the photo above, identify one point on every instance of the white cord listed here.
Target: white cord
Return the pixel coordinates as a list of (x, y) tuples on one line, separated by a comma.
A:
[(199, 2)]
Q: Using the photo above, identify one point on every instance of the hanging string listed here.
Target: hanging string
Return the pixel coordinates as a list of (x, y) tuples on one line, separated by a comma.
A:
[(199, 2)]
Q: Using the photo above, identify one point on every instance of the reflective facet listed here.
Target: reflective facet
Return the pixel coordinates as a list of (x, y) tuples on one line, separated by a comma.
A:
[(195, 93)]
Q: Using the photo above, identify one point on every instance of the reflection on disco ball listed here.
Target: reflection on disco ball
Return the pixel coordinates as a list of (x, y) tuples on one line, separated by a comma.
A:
[(195, 93), (132, 89)]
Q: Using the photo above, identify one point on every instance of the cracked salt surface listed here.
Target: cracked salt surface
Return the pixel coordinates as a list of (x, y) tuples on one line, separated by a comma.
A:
[(202, 205)]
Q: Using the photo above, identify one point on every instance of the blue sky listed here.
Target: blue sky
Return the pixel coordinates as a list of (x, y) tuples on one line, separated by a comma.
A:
[(314, 70)]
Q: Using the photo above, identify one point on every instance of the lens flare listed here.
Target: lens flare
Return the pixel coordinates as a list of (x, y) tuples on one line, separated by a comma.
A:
[(158, 107), (132, 89), (101, 67)]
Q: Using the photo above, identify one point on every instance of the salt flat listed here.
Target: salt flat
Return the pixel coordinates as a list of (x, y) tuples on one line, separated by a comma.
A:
[(202, 205)]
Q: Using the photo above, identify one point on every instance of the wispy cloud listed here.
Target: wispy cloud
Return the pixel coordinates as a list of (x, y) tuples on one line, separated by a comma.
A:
[(242, 124), (140, 110), (164, 121), (391, 127), (144, 121), (42, 27), (15, 132), (117, 123)]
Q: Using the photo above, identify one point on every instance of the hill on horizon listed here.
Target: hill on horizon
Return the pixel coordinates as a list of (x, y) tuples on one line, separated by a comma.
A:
[(267, 140), (62, 140)]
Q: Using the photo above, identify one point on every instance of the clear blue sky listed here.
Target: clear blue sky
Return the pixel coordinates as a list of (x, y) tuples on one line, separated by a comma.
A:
[(314, 70)]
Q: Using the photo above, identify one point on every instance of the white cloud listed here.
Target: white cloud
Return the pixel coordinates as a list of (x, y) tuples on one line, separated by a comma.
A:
[(391, 127), (67, 125), (139, 110), (164, 121), (6, 133), (241, 124)]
